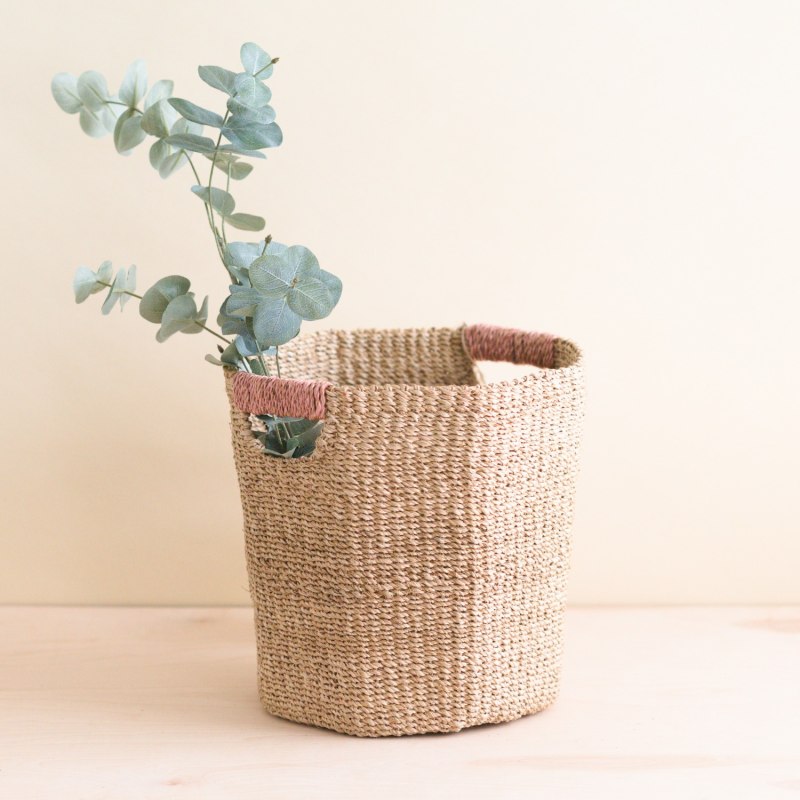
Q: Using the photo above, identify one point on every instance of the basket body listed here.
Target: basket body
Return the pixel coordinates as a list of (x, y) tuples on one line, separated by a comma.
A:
[(409, 575)]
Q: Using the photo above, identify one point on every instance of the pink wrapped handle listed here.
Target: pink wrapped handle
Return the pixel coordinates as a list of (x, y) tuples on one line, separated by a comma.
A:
[(255, 394), (492, 343)]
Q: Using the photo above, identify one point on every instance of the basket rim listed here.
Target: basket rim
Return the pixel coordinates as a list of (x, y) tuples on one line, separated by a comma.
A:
[(315, 395)]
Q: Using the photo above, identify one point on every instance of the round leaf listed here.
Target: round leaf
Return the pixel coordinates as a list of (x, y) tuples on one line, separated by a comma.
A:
[(272, 276), (255, 60), (246, 222), (134, 84), (179, 314), (94, 123), (250, 91), (156, 299), (92, 90), (128, 131), (192, 142), (311, 299), (218, 78), (221, 201), (195, 113), (160, 90), (85, 283), (65, 92), (274, 323)]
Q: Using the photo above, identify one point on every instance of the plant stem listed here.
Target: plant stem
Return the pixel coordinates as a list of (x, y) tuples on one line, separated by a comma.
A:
[(227, 189), (213, 332), (214, 162), (209, 215)]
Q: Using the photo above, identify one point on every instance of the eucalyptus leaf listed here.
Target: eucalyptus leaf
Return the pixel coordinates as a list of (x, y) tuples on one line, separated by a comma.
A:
[(116, 292), (65, 92), (192, 142), (180, 315), (85, 283), (255, 60), (94, 123), (92, 90), (261, 115), (246, 222), (250, 91), (134, 84), (230, 164), (274, 323), (160, 90), (271, 275), (218, 78), (159, 118), (156, 299), (213, 360), (254, 137), (220, 200), (333, 284), (171, 164), (128, 131), (196, 113), (311, 299), (159, 150), (241, 151)]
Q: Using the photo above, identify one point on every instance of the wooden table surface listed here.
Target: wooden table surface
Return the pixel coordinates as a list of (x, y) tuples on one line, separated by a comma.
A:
[(151, 703)]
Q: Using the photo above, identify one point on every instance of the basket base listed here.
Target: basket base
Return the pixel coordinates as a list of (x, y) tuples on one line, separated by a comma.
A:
[(360, 729)]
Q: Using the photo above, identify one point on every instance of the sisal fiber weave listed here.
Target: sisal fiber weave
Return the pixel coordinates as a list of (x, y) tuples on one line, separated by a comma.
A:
[(408, 576)]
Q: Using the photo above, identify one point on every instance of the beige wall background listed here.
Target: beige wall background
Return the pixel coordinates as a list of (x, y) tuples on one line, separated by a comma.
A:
[(622, 173)]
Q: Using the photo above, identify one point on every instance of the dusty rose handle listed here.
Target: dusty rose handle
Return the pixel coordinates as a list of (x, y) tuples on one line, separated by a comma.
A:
[(255, 394), (492, 343)]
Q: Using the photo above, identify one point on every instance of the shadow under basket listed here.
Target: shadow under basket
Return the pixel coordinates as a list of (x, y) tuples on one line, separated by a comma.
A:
[(408, 576)]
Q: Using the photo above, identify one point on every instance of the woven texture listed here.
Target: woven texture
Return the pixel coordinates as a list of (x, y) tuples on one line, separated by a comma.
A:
[(409, 575)]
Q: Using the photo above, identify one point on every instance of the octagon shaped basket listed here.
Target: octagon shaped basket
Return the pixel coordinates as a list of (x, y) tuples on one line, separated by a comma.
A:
[(408, 576)]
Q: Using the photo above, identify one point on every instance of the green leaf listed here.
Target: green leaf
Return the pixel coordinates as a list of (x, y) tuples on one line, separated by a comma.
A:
[(310, 299), (274, 323), (94, 123), (160, 90), (241, 151), (218, 78), (134, 84), (260, 115), (272, 276), (85, 283), (242, 254), (230, 165), (158, 119), (255, 60), (241, 302), (128, 131), (250, 91), (254, 137), (196, 113), (179, 315), (213, 360), (333, 284), (156, 299), (105, 273), (115, 293), (246, 222), (221, 201), (159, 150), (171, 164), (92, 90), (303, 262), (191, 142), (65, 92)]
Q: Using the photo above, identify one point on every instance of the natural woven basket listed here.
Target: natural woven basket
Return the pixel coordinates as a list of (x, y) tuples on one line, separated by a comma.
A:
[(408, 576)]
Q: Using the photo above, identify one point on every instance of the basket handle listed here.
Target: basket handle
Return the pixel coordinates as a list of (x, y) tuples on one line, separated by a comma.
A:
[(493, 343), (257, 394)]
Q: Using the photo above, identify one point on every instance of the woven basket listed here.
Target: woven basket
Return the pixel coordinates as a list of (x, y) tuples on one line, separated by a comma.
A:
[(408, 576)]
